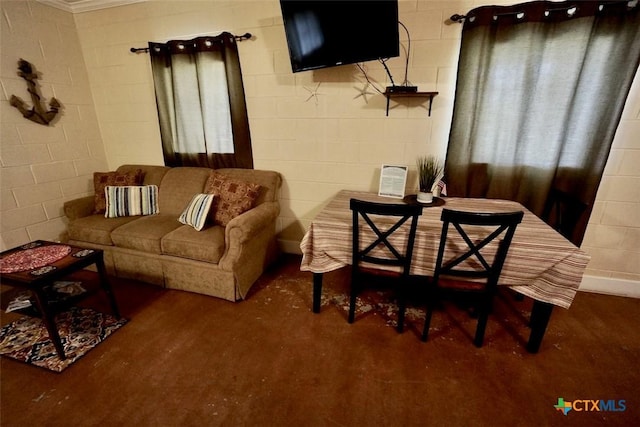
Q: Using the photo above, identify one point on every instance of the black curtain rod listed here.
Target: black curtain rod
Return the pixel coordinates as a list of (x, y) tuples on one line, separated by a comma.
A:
[(245, 36), (551, 8), (460, 18)]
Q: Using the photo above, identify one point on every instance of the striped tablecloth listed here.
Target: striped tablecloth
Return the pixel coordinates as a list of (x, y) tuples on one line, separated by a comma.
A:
[(541, 263)]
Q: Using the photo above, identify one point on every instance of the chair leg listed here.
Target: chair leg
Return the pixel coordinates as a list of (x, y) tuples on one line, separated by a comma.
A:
[(353, 291), (352, 304), (482, 326), (427, 323), (433, 296), (402, 307), (483, 317)]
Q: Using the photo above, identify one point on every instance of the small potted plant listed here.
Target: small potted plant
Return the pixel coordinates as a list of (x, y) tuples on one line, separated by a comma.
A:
[(429, 170)]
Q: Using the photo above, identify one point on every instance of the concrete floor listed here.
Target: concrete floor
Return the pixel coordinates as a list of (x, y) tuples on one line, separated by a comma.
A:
[(187, 359)]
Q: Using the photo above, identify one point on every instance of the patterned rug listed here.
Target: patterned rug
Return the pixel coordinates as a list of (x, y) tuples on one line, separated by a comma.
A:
[(80, 329), (382, 303)]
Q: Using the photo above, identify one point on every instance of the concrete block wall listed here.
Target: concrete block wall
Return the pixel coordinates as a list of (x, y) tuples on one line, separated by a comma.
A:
[(613, 235), (323, 130), (43, 166), (321, 144)]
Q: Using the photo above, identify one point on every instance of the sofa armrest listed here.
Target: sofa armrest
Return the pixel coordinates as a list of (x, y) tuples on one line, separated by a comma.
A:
[(244, 228), (78, 208)]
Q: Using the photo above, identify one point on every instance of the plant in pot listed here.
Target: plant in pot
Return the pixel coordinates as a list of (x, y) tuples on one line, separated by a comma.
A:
[(429, 170)]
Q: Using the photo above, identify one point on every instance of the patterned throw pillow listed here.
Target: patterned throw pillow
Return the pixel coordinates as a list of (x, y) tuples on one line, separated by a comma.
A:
[(131, 200), (233, 197), (102, 179), (195, 214)]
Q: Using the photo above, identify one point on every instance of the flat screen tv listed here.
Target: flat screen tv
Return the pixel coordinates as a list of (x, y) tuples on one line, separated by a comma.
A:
[(328, 33)]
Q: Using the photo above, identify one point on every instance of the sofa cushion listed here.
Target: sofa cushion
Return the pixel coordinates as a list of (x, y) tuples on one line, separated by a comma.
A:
[(178, 186), (196, 212), (152, 174), (233, 197), (102, 179), (185, 242), (131, 200), (144, 234), (269, 181), (96, 228)]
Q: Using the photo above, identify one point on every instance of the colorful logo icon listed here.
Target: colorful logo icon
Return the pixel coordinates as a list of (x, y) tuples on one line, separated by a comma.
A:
[(563, 406)]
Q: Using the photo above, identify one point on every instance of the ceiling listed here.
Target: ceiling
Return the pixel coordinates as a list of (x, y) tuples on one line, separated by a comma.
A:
[(76, 6)]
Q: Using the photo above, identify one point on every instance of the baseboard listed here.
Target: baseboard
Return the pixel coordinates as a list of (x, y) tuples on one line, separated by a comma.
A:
[(290, 246), (611, 286)]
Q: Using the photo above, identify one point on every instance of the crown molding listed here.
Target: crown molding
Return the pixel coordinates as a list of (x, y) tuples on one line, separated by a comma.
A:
[(77, 6)]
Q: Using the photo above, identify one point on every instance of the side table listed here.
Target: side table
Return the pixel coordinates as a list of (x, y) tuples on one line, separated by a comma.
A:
[(38, 264)]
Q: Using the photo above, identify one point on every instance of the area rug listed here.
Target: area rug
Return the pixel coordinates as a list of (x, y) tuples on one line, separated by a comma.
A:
[(381, 303), (80, 329)]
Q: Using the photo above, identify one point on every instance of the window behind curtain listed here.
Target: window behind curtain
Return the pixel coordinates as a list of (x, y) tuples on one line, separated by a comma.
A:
[(540, 91), (201, 105)]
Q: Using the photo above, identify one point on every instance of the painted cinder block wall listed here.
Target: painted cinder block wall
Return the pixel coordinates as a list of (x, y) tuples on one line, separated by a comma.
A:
[(43, 166), (337, 139)]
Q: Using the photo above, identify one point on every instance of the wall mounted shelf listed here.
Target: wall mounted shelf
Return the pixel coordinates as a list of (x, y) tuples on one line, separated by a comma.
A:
[(390, 95)]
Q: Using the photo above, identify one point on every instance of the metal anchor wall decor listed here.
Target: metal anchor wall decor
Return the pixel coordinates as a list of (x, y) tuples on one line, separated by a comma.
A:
[(38, 112)]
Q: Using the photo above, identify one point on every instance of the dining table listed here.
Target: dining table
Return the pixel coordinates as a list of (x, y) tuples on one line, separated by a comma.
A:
[(541, 263)]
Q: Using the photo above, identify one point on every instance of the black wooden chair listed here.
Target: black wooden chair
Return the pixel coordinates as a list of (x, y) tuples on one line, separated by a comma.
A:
[(373, 247), (477, 251)]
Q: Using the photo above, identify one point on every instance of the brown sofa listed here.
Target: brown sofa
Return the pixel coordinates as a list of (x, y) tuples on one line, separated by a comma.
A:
[(219, 261)]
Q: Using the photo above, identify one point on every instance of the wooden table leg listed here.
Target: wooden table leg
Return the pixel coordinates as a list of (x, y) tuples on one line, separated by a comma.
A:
[(106, 287), (49, 321), (540, 315), (317, 291)]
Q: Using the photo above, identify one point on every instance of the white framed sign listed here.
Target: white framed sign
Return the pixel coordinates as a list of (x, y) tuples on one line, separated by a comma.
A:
[(393, 180)]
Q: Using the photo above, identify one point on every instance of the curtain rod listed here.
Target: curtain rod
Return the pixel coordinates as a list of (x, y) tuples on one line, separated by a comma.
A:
[(245, 36), (570, 7)]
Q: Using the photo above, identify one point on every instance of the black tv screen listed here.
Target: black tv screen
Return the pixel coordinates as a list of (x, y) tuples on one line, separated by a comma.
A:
[(328, 33)]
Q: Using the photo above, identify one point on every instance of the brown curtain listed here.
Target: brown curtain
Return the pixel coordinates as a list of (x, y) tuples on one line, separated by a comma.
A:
[(540, 90), (201, 103)]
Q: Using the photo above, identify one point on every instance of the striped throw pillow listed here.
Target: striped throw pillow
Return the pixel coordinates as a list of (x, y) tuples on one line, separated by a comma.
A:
[(131, 200), (195, 214)]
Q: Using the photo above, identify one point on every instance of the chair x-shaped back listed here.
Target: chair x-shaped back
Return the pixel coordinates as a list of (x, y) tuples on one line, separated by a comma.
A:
[(394, 255), (494, 225)]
